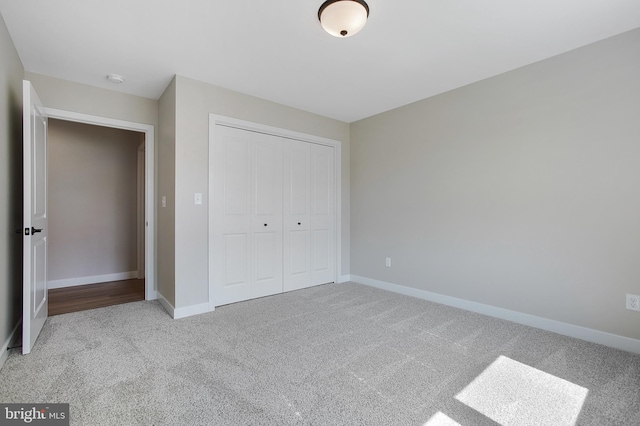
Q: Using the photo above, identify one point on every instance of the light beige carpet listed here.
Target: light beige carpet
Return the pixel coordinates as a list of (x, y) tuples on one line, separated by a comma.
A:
[(342, 354)]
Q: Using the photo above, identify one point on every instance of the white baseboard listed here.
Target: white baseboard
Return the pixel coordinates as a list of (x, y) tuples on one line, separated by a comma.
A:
[(5, 346), (588, 334), (187, 311), (153, 295), (344, 279), (72, 282)]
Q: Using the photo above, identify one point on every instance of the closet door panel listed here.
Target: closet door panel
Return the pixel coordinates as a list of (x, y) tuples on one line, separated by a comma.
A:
[(322, 214), (236, 178), (232, 216), (266, 216), (266, 270), (298, 255), (297, 238), (298, 183), (236, 255), (267, 191), (321, 251)]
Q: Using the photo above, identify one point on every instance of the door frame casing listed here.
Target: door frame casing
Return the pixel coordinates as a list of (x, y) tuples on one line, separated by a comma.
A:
[(215, 120), (151, 292), (140, 213)]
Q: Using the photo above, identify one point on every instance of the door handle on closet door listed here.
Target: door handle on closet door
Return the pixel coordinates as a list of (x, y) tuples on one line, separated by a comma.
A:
[(35, 230)]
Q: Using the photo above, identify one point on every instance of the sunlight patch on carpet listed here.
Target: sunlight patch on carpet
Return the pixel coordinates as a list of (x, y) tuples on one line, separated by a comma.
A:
[(441, 419), (515, 394)]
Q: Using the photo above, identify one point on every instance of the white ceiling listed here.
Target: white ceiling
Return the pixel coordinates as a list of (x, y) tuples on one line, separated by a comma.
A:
[(276, 49)]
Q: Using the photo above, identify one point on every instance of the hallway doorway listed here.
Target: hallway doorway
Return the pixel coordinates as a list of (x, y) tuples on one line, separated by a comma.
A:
[(96, 213), (146, 201)]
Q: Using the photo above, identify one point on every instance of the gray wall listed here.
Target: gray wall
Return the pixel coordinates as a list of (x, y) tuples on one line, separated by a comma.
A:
[(166, 188), (194, 101), (69, 96), (521, 191), (11, 74), (92, 193)]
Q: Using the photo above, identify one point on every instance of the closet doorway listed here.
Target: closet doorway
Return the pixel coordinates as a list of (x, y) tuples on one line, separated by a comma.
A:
[(274, 203), (98, 197)]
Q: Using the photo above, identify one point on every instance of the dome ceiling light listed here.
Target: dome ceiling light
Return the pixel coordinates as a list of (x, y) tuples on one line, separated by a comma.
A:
[(343, 18)]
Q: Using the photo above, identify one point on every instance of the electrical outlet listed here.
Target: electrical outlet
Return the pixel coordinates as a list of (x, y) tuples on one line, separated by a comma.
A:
[(633, 302), (388, 262)]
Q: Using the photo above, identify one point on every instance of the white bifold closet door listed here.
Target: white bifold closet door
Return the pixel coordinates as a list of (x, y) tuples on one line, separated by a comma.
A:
[(309, 215), (274, 215), (247, 207)]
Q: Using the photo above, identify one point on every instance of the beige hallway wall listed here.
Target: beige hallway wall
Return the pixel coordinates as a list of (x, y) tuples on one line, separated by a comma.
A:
[(92, 192)]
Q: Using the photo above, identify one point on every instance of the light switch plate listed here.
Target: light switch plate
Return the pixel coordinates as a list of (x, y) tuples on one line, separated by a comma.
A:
[(633, 302), (197, 198)]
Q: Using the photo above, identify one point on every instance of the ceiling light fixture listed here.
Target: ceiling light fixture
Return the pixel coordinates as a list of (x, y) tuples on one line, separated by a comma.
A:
[(115, 78), (343, 18)]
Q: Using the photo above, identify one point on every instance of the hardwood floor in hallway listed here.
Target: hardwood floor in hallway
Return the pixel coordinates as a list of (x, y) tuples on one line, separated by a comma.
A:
[(91, 296)]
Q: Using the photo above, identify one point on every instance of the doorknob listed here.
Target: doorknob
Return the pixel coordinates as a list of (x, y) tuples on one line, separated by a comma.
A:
[(299, 223), (35, 230)]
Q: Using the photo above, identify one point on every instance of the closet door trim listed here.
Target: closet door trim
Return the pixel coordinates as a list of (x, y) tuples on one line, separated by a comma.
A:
[(218, 120)]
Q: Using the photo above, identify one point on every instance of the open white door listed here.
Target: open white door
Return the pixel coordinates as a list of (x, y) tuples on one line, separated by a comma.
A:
[(35, 298)]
